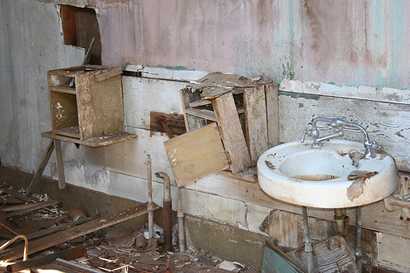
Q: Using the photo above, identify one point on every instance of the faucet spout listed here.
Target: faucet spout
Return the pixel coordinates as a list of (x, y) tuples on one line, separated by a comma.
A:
[(338, 125)]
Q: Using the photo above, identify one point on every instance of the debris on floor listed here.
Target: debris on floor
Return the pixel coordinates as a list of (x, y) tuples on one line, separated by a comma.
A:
[(72, 241)]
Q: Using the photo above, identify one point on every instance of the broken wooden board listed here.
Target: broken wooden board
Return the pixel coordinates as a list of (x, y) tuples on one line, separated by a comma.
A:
[(73, 233), (256, 121), (272, 113), (27, 208), (171, 124), (196, 154), (231, 132), (216, 84)]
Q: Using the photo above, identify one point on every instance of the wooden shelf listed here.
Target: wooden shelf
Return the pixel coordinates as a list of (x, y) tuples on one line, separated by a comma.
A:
[(63, 89), (69, 131), (93, 142)]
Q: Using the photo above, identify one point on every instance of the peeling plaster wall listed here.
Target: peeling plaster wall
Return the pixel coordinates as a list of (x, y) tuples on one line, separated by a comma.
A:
[(31, 44), (347, 42)]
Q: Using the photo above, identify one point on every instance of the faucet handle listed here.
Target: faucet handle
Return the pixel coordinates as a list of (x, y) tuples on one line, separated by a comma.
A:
[(372, 147), (307, 132)]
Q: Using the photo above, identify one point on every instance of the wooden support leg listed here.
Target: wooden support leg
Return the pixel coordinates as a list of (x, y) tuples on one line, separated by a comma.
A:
[(60, 164), (42, 166)]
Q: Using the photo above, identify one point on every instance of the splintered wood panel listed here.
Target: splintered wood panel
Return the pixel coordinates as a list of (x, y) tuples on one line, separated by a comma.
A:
[(256, 122), (232, 134), (196, 154), (272, 113), (100, 107)]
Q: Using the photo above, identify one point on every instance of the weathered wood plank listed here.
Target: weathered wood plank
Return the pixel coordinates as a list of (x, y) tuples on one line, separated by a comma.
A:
[(100, 106), (196, 154), (231, 131), (40, 169), (73, 233), (256, 121), (60, 164), (24, 209), (272, 113)]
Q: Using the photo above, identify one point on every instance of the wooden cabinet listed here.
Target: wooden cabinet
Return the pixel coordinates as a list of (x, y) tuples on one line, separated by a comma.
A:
[(87, 105)]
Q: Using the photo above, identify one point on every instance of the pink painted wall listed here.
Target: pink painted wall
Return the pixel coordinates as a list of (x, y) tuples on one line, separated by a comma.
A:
[(348, 42)]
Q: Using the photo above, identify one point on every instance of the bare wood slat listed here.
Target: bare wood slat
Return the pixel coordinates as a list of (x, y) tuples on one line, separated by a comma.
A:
[(231, 131), (27, 208), (272, 113), (256, 122), (42, 166), (60, 164)]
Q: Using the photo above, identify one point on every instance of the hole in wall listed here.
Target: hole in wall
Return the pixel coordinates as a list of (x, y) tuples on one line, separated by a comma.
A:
[(80, 26)]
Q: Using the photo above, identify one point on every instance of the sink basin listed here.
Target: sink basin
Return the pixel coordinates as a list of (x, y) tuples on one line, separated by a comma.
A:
[(332, 176)]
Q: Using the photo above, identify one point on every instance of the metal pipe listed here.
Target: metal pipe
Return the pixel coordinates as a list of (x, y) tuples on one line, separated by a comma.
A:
[(340, 218), (180, 216), (306, 232), (310, 257), (150, 205), (358, 252), (166, 209), (18, 237)]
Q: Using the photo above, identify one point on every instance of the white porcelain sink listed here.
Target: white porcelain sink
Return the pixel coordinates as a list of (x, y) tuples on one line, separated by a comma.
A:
[(325, 177)]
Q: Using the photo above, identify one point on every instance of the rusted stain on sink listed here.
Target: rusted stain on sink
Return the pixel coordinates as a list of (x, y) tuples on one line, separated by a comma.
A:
[(316, 177)]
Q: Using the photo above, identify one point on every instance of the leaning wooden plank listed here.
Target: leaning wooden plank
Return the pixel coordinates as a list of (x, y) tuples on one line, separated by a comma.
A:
[(256, 122), (196, 154), (67, 254), (73, 233), (60, 164), (42, 166), (27, 208), (272, 113), (231, 131)]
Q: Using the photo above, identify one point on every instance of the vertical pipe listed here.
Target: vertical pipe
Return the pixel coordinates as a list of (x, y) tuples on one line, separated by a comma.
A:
[(340, 218), (180, 216), (310, 258), (166, 209), (150, 205), (358, 252), (306, 231)]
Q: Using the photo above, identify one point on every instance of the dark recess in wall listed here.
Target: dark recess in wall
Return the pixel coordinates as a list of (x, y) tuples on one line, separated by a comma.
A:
[(80, 25)]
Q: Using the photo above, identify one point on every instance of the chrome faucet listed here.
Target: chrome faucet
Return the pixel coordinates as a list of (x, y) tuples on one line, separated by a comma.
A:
[(338, 125)]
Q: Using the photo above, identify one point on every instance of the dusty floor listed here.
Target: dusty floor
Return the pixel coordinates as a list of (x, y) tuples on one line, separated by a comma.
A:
[(114, 249)]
